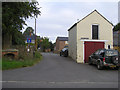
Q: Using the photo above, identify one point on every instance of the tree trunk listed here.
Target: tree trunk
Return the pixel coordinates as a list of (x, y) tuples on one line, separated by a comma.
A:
[(6, 41)]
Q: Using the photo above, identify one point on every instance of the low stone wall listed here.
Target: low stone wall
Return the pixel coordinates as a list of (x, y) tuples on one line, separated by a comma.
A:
[(10, 51), (23, 53)]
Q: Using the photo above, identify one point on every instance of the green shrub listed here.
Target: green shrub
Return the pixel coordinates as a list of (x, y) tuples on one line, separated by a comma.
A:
[(25, 62), (37, 54)]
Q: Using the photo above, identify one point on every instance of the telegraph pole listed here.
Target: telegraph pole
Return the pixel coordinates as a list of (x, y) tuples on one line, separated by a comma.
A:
[(118, 40), (35, 36)]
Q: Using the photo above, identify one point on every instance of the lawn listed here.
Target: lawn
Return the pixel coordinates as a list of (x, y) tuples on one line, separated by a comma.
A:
[(11, 64)]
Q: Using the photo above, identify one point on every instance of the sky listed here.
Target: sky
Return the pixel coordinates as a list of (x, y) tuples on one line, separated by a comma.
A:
[(58, 16), (119, 12)]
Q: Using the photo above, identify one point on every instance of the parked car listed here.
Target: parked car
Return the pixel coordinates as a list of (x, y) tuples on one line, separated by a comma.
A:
[(66, 46), (105, 58), (64, 52)]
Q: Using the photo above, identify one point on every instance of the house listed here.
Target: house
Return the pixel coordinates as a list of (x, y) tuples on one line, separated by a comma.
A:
[(61, 42), (116, 40), (91, 33)]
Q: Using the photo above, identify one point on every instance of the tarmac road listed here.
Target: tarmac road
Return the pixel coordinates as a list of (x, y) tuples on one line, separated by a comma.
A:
[(55, 71)]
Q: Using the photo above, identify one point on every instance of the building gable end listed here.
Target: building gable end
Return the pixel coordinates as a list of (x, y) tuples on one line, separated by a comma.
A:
[(89, 15)]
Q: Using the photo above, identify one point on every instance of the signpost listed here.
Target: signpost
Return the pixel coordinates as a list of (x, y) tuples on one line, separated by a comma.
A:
[(28, 40)]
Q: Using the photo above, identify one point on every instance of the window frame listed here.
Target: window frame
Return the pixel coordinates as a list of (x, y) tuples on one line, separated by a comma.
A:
[(92, 31)]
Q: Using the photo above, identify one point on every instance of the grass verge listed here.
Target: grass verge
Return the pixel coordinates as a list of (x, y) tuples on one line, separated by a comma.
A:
[(12, 64)]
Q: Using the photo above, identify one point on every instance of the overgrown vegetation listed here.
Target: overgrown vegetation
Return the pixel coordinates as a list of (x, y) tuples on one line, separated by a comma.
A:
[(12, 63), (28, 31), (14, 15), (44, 44)]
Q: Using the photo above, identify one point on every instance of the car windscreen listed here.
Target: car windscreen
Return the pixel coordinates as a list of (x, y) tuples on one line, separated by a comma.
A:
[(64, 49), (111, 53)]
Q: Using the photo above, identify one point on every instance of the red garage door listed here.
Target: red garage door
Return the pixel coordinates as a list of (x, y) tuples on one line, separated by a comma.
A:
[(90, 47)]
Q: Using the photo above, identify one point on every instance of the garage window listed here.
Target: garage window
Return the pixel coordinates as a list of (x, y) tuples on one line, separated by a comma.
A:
[(94, 31)]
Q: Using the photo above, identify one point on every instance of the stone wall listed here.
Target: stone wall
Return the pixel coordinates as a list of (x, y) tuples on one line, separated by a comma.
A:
[(23, 53), (10, 52)]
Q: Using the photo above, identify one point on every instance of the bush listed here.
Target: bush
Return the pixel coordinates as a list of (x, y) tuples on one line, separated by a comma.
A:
[(37, 54), (25, 62)]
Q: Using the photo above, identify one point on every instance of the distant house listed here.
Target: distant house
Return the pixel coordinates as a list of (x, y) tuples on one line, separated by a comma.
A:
[(61, 42), (116, 40), (30, 39), (91, 33)]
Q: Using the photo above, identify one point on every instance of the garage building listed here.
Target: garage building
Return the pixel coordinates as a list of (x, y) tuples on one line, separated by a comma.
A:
[(89, 34)]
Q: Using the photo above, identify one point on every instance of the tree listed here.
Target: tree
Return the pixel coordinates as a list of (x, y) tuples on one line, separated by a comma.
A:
[(14, 15), (39, 41), (117, 27), (51, 46), (28, 31), (45, 43), (18, 39)]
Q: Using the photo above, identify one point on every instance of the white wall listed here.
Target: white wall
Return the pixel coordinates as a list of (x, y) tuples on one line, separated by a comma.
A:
[(84, 30), (72, 47)]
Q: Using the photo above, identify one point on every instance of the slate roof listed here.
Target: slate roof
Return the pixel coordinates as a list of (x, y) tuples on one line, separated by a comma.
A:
[(116, 38), (62, 38)]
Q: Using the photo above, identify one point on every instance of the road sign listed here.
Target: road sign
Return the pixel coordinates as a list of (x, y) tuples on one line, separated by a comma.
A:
[(28, 40)]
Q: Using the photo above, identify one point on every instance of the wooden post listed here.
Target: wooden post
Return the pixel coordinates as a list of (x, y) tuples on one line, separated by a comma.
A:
[(35, 36), (118, 40)]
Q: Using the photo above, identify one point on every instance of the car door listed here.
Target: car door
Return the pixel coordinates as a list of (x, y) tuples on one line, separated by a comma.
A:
[(95, 56), (101, 54)]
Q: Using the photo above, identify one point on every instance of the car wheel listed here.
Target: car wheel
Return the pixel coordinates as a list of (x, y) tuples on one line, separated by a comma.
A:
[(60, 54), (99, 67), (90, 62), (64, 55)]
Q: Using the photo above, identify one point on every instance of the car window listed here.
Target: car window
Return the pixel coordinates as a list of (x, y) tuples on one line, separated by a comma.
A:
[(97, 52), (64, 49), (111, 52), (102, 53)]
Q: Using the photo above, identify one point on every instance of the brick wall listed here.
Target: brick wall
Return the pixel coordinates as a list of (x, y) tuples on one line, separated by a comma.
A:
[(59, 46), (62, 45), (15, 53)]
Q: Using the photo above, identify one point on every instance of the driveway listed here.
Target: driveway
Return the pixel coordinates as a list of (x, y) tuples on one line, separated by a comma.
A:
[(55, 71)]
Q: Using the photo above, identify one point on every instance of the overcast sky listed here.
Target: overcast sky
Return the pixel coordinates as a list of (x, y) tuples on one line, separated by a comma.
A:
[(57, 17)]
